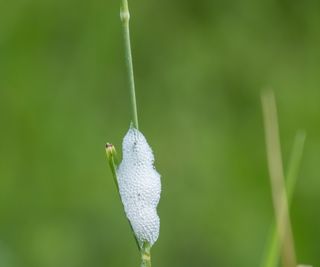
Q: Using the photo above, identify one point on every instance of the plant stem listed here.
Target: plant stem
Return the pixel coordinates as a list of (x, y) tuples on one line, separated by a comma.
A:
[(279, 193), (125, 17), (111, 156), (271, 255), (146, 255), (294, 162)]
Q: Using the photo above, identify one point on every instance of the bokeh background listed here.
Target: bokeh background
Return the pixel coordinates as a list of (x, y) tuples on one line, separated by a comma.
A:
[(200, 66)]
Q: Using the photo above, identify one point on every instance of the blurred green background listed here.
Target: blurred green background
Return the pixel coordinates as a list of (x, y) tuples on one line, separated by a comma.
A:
[(200, 66)]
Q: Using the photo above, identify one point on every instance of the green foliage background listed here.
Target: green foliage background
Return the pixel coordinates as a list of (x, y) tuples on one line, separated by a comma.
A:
[(200, 66)]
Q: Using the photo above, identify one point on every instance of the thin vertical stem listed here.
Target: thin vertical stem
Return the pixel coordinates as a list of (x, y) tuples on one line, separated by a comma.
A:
[(145, 255), (271, 254), (294, 162), (125, 17), (145, 249), (279, 194)]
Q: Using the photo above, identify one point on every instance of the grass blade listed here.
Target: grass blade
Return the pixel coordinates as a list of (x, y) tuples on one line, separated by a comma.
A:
[(271, 255), (279, 191)]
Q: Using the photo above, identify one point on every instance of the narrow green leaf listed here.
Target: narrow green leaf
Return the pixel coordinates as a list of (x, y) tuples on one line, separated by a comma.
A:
[(272, 251)]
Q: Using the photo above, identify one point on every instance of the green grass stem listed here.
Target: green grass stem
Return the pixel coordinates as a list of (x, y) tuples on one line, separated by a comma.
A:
[(125, 18), (146, 255), (278, 186), (272, 254)]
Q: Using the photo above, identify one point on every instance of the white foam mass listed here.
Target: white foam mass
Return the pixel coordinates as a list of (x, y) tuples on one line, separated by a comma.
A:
[(139, 186)]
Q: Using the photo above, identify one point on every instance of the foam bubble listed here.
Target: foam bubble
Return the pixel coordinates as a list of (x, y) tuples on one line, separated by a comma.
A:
[(139, 186)]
